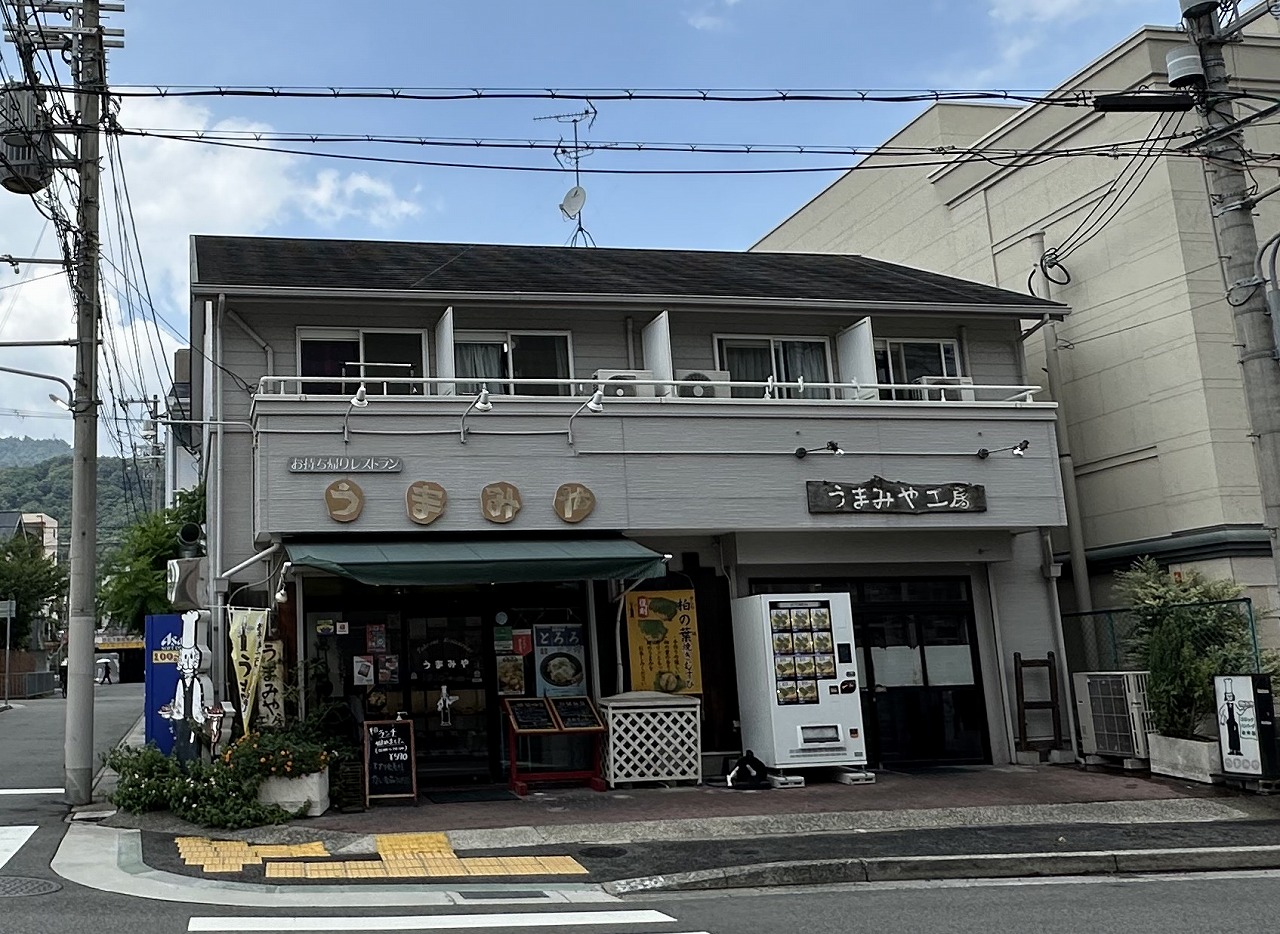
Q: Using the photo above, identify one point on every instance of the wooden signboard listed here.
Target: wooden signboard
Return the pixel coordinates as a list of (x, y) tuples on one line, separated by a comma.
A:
[(531, 715), (576, 715), (390, 766)]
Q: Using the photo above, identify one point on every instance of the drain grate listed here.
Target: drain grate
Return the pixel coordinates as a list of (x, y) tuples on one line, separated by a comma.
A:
[(18, 886), (603, 852)]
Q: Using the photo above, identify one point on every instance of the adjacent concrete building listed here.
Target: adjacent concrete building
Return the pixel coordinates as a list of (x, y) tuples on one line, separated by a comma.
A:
[(1151, 386)]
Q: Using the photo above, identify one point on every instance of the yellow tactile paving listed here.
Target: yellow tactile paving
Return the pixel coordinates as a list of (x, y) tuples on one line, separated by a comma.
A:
[(401, 856)]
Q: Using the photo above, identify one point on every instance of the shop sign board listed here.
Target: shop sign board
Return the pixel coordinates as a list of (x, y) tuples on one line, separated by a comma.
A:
[(879, 495), (576, 715), (560, 659), (1246, 726), (530, 715), (574, 502), (390, 765), (425, 501), (662, 631), (163, 638), (500, 502), (342, 463), (344, 499)]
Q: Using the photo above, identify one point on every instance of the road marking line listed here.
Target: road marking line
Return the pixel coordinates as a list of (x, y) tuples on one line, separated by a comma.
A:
[(429, 922), (31, 791), (11, 841)]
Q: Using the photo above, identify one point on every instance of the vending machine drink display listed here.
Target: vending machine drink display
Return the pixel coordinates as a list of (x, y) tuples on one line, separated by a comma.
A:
[(798, 680)]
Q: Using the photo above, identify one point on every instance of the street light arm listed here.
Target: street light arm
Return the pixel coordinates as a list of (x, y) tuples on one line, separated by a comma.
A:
[(55, 379)]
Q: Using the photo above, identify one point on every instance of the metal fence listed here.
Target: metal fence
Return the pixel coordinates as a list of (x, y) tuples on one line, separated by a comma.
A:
[(27, 684), (1106, 640)]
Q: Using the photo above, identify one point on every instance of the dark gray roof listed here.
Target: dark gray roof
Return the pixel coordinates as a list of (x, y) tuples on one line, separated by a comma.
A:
[(472, 267), (10, 523)]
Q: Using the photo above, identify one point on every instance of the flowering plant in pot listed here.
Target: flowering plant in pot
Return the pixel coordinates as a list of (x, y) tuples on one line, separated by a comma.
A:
[(293, 768)]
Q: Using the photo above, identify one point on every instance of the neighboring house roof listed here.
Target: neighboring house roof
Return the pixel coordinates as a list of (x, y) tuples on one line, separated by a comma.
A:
[(10, 525), (457, 268)]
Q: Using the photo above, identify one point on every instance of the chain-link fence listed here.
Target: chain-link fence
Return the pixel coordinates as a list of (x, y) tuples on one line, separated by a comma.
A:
[(1109, 640)]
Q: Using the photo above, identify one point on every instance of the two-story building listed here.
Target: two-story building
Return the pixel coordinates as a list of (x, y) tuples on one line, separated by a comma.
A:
[(454, 444)]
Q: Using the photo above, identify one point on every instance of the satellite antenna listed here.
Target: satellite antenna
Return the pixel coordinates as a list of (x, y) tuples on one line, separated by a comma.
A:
[(575, 197), (573, 201)]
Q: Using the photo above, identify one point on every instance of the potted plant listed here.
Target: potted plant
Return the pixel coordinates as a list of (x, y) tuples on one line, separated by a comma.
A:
[(1186, 631), (292, 767)]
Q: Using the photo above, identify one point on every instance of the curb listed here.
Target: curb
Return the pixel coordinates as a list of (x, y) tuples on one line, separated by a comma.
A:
[(963, 866)]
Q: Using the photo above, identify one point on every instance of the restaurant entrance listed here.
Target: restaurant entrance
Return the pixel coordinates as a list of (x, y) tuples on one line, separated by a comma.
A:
[(445, 657)]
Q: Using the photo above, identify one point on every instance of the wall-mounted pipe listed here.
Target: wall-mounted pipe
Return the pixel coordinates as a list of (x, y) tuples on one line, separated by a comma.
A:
[(257, 339)]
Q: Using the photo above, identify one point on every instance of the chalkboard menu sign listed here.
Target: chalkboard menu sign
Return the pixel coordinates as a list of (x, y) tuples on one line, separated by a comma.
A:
[(531, 715), (576, 715), (390, 766)]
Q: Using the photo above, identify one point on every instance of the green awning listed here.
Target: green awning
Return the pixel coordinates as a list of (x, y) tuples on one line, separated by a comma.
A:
[(480, 561)]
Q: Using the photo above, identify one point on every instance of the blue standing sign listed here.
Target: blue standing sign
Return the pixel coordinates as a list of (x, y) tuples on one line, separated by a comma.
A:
[(163, 642)]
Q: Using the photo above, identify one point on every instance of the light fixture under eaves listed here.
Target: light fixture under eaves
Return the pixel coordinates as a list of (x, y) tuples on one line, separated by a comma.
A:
[(482, 401), (596, 402), (830, 447), (361, 398)]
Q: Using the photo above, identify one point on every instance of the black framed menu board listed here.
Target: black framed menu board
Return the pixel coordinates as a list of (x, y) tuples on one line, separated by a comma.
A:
[(576, 715), (390, 766), (530, 715)]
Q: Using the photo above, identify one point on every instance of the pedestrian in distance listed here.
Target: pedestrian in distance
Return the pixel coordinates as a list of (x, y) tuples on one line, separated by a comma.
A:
[(62, 676)]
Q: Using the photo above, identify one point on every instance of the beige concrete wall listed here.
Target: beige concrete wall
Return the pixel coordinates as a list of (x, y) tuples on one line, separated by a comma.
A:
[(1151, 386)]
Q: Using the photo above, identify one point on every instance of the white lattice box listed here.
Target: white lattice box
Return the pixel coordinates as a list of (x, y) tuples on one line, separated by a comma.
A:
[(652, 737)]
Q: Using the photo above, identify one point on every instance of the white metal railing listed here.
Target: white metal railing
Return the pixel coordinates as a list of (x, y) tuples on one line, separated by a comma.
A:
[(693, 391)]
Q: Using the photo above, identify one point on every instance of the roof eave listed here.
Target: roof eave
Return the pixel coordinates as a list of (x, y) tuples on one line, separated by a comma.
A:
[(1055, 310)]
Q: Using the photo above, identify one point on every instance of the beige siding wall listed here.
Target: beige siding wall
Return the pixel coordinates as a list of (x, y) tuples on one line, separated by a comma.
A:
[(1151, 383)]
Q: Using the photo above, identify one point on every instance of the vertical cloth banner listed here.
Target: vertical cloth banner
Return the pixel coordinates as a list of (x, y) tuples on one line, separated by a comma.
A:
[(248, 630), (662, 632), (271, 684)]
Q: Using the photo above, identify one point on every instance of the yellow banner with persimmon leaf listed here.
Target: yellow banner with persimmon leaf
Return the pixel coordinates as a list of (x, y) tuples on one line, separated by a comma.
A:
[(662, 631)]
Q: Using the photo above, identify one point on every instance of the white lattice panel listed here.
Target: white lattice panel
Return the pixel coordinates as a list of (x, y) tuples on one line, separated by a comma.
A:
[(653, 744)]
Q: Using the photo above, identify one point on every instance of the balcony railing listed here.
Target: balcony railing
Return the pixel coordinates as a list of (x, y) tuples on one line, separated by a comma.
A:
[(701, 392)]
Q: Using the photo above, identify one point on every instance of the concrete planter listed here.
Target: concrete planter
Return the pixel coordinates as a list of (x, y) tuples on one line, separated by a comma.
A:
[(1198, 760), (292, 793)]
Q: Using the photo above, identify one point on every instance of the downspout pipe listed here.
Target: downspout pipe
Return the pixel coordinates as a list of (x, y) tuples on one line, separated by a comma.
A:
[(218, 622), (1070, 492), (260, 556)]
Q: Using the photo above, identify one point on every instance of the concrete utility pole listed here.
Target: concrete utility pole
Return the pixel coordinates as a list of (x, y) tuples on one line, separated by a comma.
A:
[(1232, 208), (78, 749)]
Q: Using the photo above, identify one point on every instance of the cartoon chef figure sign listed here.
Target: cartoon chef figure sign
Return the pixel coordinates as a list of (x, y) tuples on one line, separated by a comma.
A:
[(192, 710)]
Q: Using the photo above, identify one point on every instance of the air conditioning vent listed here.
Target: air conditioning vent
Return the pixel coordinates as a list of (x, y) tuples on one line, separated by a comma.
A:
[(1112, 713), (622, 383), (186, 582), (708, 377)]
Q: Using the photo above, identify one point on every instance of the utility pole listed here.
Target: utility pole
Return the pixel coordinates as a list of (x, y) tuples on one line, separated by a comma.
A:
[(1232, 207), (78, 749)]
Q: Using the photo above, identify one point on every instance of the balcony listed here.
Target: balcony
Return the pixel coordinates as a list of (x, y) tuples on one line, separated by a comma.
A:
[(658, 454)]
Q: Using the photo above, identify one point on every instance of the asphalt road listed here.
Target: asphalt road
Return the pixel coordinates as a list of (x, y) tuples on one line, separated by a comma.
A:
[(31, 753), (1234, 903)]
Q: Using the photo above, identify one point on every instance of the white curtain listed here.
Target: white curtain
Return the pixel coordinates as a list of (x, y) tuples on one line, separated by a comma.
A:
[(480, 361)]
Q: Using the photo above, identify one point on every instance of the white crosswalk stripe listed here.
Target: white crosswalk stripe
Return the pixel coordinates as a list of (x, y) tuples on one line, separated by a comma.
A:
[(12, 840), (540, 919)]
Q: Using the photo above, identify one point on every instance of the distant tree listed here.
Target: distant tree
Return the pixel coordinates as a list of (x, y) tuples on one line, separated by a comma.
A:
[(133, 577), (24, 451), (30, 579)]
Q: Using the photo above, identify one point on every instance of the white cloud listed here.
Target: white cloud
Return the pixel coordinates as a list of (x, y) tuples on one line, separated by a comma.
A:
[(704, 20), (1045, 11), (176, 189)]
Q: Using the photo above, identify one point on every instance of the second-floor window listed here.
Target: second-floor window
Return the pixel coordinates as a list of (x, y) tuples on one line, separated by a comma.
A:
[(786, 359), (491, 358), (381, 360), (909, 361)]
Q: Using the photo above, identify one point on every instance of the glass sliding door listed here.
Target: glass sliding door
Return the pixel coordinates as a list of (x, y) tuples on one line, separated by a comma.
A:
[(786, 360)]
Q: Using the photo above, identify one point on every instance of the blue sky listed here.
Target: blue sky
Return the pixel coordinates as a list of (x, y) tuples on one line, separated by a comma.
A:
[(181, 188)]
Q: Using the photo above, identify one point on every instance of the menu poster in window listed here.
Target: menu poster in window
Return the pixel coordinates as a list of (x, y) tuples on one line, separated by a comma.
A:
[(362, 670), (511, 675), (388, 669), (662, 633), (560, 660), (375, 638)]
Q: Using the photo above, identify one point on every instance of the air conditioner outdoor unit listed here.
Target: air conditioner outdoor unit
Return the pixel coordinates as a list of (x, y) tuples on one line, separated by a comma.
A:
[(708, 391), (948, 395), (186, 582), (619, 383), (1111, 708)]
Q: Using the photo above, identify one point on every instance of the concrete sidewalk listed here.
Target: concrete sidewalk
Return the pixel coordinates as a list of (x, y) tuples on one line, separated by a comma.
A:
[(954, 823)]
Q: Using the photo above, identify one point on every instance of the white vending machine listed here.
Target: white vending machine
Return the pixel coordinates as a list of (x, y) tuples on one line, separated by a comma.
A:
[(798, 681)]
